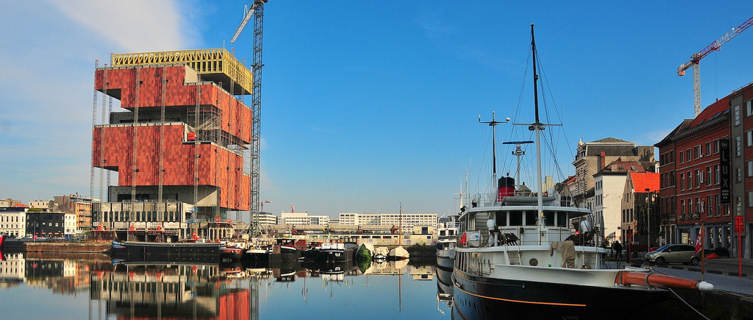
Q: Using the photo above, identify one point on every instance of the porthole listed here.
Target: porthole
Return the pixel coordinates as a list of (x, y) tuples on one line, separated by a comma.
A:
[(533, 262)]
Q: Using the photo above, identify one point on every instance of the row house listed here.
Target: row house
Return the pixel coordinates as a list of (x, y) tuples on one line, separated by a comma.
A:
[(706, 174)]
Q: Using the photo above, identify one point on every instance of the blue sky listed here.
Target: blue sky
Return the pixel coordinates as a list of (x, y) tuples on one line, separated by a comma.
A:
[(369, 103)]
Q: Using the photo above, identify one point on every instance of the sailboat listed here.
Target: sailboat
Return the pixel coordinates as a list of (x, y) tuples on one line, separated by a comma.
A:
[(515, 254), (399, 253)]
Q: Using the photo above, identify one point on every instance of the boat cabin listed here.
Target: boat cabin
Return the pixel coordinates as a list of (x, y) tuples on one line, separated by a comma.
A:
[(515, 221)]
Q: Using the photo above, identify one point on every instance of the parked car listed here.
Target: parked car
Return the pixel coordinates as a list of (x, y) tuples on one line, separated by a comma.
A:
[(673, 253), (717, 253)]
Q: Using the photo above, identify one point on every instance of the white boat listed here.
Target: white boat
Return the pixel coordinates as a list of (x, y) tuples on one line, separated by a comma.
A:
[(446, 242), (380, 253), (398, 253), (517, 254)]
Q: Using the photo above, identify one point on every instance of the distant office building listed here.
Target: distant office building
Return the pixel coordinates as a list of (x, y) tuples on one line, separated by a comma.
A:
[(4, 203), (407, 220), (43, 205), (265, 218), (13, 221), (319, 220), (302, 218), (51, 224)]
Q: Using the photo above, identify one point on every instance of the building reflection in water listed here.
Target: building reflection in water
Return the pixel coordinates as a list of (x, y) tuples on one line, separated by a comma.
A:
[(62, 276), (174, 291), (140, 290)]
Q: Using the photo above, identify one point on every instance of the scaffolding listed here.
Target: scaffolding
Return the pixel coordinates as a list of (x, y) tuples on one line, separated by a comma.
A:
[(102, 133), (161, 151), (134, 148), (94, 125)]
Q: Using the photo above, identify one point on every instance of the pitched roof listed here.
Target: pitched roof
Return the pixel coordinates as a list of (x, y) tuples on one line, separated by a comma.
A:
[(622, 167), (667, 139), (611, 139), (711, 112), (645, 180)]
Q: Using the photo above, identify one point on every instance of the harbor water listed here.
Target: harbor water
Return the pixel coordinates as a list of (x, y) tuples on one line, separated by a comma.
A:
[(96, 287), (102, 289)]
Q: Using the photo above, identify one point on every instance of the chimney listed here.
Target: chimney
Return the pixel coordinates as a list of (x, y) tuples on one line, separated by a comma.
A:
[(602, 160)]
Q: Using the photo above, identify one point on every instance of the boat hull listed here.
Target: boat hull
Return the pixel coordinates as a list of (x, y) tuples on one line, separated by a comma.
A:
[(445, 259), (483, 297), (162, 251)]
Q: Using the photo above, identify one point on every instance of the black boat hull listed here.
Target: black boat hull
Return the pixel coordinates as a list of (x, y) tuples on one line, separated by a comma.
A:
[(484, 298)]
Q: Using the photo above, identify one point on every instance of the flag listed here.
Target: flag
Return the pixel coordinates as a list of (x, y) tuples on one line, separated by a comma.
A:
[(699, 241)]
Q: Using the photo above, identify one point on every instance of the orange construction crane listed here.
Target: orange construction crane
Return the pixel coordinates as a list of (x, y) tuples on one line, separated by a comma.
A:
[(695, 59)]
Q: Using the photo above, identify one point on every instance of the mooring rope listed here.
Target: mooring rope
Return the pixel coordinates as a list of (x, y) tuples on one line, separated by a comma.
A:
[(688, 304)]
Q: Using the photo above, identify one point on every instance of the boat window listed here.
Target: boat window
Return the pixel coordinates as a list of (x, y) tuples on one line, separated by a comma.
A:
[(549, 218), (472, 222), (501, 219), (531, 218), (516, 218), (562, 219)]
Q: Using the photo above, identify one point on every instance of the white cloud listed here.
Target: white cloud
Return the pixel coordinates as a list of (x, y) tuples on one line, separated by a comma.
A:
[(46, 90), (133, 25)]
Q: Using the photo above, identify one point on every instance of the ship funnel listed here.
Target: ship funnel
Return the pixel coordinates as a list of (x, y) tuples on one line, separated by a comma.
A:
[(505, 188)]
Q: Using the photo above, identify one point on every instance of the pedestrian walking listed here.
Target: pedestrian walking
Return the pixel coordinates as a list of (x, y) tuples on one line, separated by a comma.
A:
[(617, 247)]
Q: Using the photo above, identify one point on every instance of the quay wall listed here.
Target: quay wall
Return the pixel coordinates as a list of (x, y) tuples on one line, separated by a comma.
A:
[(57, 247)]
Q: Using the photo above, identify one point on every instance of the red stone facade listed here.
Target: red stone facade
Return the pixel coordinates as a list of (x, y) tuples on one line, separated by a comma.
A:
[(217, 166), (236, 117)]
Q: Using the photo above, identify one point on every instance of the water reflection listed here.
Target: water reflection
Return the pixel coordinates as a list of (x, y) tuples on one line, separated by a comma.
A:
[(172, 290), (141, 290)]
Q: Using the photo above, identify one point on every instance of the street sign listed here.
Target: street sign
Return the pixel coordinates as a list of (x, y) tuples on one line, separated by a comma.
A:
[(724, 164)]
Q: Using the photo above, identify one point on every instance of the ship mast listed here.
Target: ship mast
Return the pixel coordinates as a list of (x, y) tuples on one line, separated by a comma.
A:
[(494, 124), (537, 126)]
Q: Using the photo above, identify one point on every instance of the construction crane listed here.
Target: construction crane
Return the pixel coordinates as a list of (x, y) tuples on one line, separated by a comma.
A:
[(695, 59), (257, 12)]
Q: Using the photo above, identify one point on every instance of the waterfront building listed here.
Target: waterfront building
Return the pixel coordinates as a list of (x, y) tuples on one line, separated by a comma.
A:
[(590, 157), (706, 167), (609, 186), (165, 220), (13, 221), (639, 210), (265, 218), (181, 138), (79, 205), (50, 224), (407, 220), (303, 218)]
